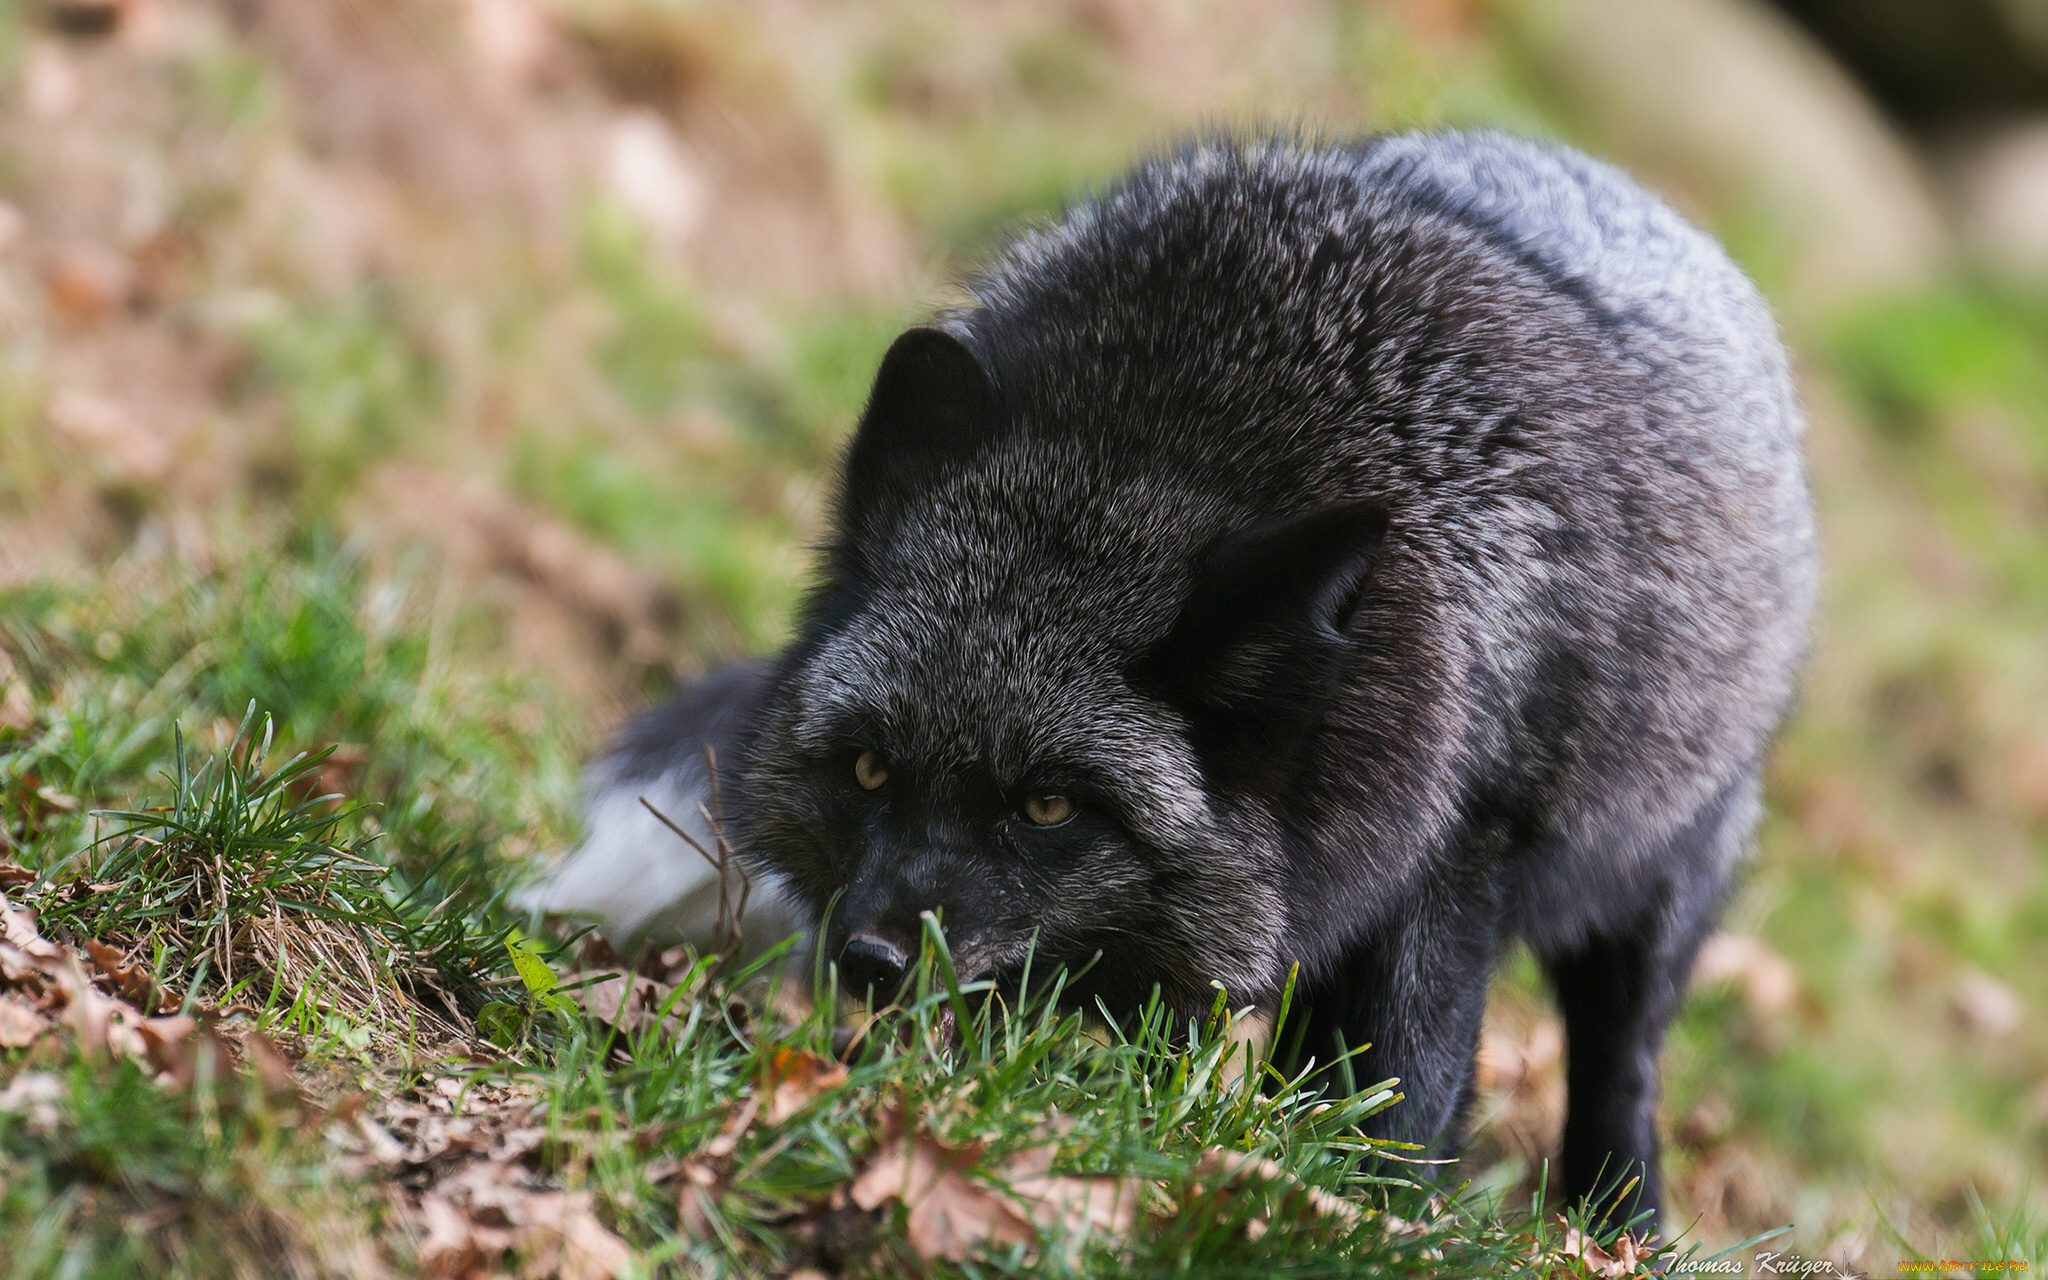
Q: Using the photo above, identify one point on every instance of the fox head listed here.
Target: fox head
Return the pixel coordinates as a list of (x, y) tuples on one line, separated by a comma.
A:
[(1052, 691)]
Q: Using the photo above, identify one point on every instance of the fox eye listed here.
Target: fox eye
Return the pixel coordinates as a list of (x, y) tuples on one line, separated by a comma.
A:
[(1048, 811), (869, 771)]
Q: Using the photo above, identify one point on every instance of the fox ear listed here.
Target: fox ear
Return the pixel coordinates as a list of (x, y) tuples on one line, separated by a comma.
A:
[(931, 400), (1261, 643)]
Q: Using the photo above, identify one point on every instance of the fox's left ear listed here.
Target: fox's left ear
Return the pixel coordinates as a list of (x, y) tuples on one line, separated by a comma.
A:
[(931, 400), (1261, 642)]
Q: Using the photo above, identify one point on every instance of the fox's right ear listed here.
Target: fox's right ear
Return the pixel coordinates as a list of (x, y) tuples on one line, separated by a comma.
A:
[(931, 400), (1263, 637)]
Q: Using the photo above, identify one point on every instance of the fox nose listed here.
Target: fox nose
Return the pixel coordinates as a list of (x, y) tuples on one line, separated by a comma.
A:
[(871, 963)]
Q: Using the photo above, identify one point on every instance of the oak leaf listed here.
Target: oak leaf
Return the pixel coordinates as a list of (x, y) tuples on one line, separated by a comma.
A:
[(950, 1214), (951, 1211)]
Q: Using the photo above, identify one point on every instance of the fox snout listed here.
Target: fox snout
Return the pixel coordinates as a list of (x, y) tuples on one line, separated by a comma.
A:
[(875, 933), (873, 966)]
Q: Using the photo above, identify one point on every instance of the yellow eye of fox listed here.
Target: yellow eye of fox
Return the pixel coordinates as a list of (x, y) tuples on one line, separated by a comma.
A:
[(1048, 811), (868, 770)]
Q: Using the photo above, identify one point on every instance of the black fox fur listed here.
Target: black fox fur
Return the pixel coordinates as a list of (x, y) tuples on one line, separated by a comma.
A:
[(1355, 556)]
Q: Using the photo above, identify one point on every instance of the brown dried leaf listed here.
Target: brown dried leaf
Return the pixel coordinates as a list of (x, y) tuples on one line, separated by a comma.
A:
[(20, 1024), (185, 1049), (1081, 1204), (473, 1219), (1627, 1256), (703, 1185), (340, 774), (17, 711), (1225, 1168), (100, 1022), (795, 1078), (133, 979), (13, 875), (950, 1214), (90, 17), (18, 930), (383, 1148), (450, 1247), (566, 1240), (625, 1000), (728, 1139)]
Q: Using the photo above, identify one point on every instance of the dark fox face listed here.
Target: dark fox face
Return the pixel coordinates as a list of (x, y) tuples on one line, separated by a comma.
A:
[(1041, 860), (1063, 830), (1049, 700)]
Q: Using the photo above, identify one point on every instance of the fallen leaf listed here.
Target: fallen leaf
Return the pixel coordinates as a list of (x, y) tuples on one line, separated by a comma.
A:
[(132, 978), (20, 1024), (17, 704), (449, 1246), (85, 285), (101, 1023), (13, 875), (728, 1139), (1623, 1261), (794, 1078), (18, 930), (474, 1218), (703, 1185), (184, 1049), (950, 1213), (383, 1148), (624, 1000), (90, 17), (1224, 1168), (1074, 1204), (340, 775), (566, 1240)]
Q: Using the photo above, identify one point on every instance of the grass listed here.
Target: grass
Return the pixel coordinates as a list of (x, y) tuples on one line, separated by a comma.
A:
[(115, 1173), (246, 893), (235, 885)]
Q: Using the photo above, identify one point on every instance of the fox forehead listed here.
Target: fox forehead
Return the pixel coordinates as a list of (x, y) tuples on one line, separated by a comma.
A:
[(1017, 705)]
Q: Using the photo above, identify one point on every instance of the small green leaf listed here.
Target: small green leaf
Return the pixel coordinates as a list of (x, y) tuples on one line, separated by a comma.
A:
[(533, 970), (500, 1023)]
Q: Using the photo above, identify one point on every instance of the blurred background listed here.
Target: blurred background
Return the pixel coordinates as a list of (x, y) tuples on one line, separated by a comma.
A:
[(450, 375)]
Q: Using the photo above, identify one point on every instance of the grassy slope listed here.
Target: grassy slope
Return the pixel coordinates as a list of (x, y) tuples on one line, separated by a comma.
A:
[(656, 409)]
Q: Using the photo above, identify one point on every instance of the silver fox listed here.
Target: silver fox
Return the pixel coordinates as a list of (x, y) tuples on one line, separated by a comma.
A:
[(1355, 557)]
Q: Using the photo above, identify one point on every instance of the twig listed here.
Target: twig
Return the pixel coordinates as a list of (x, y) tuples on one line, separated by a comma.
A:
[(730, 934), (726, 856)]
